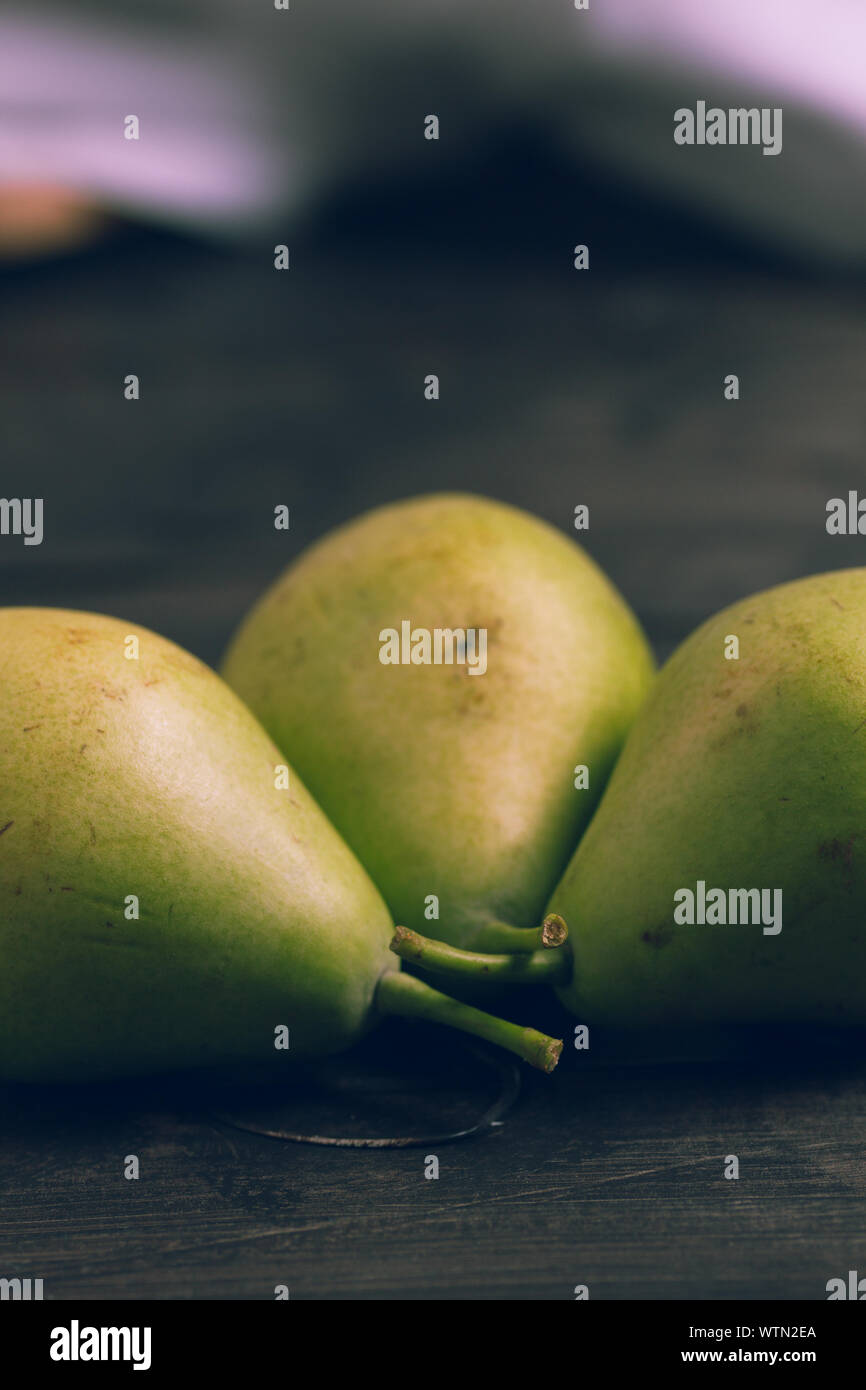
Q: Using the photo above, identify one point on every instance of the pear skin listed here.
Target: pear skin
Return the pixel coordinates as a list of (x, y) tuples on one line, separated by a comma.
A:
[(148, 777), (449, 785), (165, 900), (740, 773)]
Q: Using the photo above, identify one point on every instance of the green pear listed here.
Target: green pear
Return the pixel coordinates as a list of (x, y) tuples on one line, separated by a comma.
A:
[(745, 771), (170, 894), (457, 783)]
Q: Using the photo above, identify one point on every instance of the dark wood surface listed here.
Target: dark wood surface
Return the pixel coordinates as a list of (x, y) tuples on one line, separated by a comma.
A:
[(609, 1175), (556, 389)]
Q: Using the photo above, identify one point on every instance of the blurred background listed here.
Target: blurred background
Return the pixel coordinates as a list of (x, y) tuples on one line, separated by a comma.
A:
[(409, 256)]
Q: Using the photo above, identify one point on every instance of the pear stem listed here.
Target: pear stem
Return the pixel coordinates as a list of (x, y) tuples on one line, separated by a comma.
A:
[(402, 994), (500, 938), (518, 968)]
